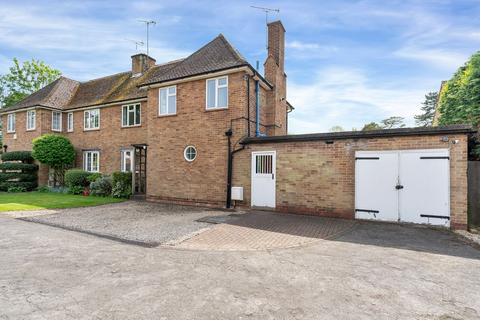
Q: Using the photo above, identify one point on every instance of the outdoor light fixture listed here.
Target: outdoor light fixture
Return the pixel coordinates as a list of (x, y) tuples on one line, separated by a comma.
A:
[(444, 139)]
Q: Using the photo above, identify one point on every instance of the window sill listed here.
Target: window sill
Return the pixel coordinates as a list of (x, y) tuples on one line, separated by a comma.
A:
[(69, 131), (134, 126), (56, 130), (30, 129), (216, 109), (166, 115), (95, 129), (11, 132)]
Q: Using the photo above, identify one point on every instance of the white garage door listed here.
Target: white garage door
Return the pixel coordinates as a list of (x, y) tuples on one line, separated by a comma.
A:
[(408, 185)]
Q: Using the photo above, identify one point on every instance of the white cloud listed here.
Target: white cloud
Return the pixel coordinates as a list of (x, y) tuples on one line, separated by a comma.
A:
[(347, 97)]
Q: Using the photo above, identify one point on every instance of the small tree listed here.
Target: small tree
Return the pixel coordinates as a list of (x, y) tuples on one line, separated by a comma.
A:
[(55, 151), (371, 126), (393, 122), (426, 118), (337, 129)]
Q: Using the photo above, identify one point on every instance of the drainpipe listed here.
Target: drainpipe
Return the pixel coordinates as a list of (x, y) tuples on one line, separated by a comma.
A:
[(247, 77), (257, 106), (231, 153)]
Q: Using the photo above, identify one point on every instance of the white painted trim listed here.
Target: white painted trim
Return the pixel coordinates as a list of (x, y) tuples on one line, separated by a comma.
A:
[(185, 153), (28, 121), (95, 128), (9, 130), (57, 130), (168, 95), (68, 122), (200, 77), (121, 118), (98, 158), (216, 93)]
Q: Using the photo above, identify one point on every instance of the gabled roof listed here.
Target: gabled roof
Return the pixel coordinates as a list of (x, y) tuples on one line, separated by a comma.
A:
[(66, 94), (216, 55)]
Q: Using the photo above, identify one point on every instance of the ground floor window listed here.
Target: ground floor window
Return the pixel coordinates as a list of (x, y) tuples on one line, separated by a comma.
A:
[(91, 161), (127, 161)]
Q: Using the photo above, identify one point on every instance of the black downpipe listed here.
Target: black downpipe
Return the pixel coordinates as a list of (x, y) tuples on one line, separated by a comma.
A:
[(248, 105), (228, 203)]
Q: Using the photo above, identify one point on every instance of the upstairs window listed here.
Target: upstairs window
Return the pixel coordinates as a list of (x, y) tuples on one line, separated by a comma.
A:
[(56, 121), (217, 93), (11, 122), (91, 161), (70, 122), (167, 101), (131, 115), (31, 115), (92, 119)]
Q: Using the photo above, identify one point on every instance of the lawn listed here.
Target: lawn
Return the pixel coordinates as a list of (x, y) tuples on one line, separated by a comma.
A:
[(46, 200)]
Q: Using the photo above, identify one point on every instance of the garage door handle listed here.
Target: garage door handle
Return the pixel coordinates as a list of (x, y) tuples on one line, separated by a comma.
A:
[(398, 187)]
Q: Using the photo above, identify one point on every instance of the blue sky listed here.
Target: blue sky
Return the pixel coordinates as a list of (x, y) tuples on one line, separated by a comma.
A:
[(348, 62)]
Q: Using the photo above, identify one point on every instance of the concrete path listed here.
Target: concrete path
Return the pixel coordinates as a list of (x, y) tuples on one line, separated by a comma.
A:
[(375, 271)]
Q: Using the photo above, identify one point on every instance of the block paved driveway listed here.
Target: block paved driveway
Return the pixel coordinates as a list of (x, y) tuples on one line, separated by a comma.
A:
[(369, 270)]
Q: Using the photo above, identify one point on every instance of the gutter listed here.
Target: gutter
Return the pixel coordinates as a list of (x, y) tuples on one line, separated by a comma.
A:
[(386, 133)]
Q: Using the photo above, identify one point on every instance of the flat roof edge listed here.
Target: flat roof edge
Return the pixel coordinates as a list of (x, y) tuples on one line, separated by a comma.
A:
[(384, 133)]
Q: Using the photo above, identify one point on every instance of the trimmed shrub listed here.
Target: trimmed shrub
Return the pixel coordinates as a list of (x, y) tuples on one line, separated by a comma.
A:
[(57, 152), (101, 187), (43, 189), (25, 156), (76, 177), (18, 166), (18, 173), (4, 186), (16, 189), (122, 184), (94, 177), (76, 190)]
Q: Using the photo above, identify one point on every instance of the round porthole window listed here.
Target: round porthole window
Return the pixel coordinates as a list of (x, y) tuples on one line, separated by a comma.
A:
[(190, 153)]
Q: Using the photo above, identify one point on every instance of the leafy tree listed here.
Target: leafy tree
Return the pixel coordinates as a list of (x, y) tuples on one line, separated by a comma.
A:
[(459, 100), (392, 122), (55, 151), (426, 118), (371, 126), (336, 129), (23, 79)]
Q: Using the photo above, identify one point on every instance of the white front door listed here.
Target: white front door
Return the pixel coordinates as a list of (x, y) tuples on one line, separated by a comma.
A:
[(263, 179)]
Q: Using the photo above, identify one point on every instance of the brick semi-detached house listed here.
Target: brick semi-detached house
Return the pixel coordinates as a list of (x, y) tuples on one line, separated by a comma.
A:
[(210, 130)]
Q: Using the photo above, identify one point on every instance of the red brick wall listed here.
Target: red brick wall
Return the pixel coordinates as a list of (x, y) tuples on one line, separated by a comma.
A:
[(318, 178)]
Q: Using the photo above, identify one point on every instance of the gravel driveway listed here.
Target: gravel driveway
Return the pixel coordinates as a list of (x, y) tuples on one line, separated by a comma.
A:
[(143, 223)]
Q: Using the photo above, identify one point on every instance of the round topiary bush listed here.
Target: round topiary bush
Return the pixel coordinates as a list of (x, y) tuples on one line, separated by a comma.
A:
[(55, 151)]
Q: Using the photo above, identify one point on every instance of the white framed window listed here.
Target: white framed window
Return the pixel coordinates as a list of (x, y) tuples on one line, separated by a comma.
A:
[(91, 119), (11, 122), (91, 161), (190, 153), (167, 101), (217, 93), (127, 161), (131, 115), (56, 121), (70, 121), (31, 116)]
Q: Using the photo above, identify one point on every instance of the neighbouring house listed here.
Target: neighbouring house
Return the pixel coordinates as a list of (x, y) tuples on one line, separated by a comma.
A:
[(210, 130)]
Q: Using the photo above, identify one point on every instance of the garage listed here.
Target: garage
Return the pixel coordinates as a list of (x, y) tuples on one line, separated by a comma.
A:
[(404, 186)]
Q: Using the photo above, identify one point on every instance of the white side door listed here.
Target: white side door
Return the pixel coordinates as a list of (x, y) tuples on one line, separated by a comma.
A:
[(425, 196), (376, 177), (263, 179)]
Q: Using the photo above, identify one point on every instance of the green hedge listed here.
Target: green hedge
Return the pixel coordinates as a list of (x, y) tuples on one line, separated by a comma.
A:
[(76, 178), (30, 167), (25, 156), (30, 177), (4, 186)]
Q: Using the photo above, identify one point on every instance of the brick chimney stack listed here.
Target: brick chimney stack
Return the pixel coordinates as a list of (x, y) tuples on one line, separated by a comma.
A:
[(275, 74), (141, 63)]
